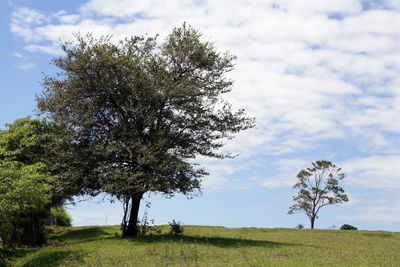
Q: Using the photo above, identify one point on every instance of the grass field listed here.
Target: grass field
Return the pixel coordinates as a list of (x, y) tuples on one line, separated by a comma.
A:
[(215, 246)]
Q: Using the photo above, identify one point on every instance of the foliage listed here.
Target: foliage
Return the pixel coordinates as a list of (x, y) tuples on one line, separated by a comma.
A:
[(318, 187), (136, 114), (146, 226), (24, 139), (176, 227), (25, 143), (24, 189), (24, 181), (215, 246), (348, 227), (300, 226), (28, 141), (61, 216)]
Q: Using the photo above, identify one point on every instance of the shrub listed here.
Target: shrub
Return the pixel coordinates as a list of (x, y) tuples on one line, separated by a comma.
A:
[(4, 253), (147, 226), (176, 227), (300, 226), (49, 230), (348, 227), (60, 216)]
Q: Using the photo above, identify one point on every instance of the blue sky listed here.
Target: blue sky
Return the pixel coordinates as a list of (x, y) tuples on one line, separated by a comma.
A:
[(321, 78)]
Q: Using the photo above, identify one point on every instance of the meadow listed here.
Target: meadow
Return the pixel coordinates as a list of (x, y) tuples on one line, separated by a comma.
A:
[(214, 246)]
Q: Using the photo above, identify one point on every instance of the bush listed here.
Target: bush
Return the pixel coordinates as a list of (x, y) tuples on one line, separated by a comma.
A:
[(147, 226), (176, 228), (300, 226), (4, 251), (348, 227), (60, 217)]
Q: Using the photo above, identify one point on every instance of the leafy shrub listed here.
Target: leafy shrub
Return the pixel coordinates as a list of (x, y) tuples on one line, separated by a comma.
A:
[(49, 230), (300, 226), (147, 226), (348, 227), (4, 253), (176, 227), (60, 216)]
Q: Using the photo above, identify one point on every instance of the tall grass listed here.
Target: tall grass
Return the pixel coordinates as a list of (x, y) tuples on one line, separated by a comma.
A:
[(215, 246)]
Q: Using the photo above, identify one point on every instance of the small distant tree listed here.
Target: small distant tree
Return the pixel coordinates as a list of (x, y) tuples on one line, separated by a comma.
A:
[(318, 187)]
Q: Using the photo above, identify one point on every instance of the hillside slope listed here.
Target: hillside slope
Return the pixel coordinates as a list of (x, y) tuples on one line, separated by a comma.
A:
[(215, 246)]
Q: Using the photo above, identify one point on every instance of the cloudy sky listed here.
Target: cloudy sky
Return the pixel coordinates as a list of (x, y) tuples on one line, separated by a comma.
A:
[(321, 78)]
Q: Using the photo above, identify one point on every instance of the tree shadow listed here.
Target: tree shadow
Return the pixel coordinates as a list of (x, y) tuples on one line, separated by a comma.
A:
[(83, 235), (54, 258), (20, 252), (222, 242)]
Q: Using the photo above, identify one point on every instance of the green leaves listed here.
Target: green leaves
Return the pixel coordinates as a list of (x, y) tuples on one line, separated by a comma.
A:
[(23, 140), (318, 187), (137, 112), (25, 181), (23, 189), (28, 141)]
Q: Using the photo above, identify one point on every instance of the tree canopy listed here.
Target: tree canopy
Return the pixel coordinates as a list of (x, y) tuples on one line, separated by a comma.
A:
[(29, 141), (28, 184), (24, 140), (318, 187), (136, 114)]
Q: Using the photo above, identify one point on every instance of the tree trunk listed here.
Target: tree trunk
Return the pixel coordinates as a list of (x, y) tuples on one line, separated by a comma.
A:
[(33, 231), (2, 257), (312, 222), (131, 229)]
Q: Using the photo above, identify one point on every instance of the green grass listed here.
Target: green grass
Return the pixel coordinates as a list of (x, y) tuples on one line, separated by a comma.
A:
[(215, 246)]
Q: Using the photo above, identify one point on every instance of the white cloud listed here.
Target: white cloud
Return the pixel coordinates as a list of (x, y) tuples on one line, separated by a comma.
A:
[(44, 49), (308, 71), (22, 21), (18, 55), (25, 65), (221, 173), (381, 210), (64, 18), (282, 180), (373, 172), (322, 6), (287, 170), (113, 7)]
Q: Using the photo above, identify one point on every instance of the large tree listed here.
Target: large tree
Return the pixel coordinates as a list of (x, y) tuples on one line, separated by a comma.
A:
[(136, 114), (318, 187)]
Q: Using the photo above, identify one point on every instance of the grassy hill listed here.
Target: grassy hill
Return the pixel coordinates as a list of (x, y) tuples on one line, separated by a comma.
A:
[(215, 246)]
